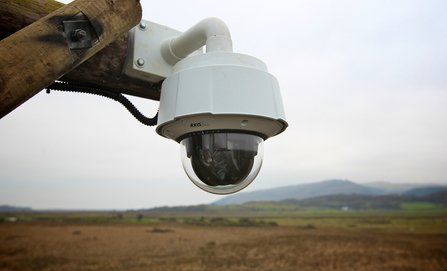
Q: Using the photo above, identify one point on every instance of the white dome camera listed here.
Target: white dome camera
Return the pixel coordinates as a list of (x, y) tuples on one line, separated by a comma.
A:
[(219, 105)]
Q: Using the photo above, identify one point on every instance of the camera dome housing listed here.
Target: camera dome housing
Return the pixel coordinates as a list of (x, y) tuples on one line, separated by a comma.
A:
[(221, 107), (222, 163)]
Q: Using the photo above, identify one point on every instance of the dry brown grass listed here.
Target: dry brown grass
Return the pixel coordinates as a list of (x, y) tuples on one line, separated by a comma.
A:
[(176, 246)]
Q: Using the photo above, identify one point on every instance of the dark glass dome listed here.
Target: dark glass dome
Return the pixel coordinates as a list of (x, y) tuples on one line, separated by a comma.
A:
[(222, 163)]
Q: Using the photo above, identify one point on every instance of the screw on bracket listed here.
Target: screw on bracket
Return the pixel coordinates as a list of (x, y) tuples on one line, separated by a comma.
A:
[(142, 25), (79, 34), (140, 62)]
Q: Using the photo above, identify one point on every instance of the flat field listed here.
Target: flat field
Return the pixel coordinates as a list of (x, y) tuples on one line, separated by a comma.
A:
[(324, 242)]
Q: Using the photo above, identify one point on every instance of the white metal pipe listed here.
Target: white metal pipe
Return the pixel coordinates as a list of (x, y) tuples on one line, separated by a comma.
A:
[(211, 32)]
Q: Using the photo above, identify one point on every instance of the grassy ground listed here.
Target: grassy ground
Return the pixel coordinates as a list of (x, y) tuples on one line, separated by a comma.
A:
[(341, 241)]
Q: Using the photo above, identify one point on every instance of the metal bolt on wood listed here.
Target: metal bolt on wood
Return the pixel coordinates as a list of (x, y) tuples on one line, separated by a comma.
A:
[(78, 34)]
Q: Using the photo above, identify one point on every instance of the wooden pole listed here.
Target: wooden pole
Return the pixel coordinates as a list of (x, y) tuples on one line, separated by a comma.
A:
[(16, 14), (32, 58), (103, 70)]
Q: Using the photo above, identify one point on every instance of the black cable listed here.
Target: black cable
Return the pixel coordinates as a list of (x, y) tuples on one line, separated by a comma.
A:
[(61, 86)]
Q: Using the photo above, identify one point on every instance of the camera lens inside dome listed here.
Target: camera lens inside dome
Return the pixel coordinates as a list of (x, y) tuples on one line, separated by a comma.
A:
[(222, 159)]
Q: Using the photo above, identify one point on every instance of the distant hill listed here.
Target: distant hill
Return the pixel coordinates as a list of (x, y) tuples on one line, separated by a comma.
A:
[(370, 202), (437, 197), (8, 208), (330, 187), (436, 202), (394, 188), (357, 202), (303, 191), (422, 191)]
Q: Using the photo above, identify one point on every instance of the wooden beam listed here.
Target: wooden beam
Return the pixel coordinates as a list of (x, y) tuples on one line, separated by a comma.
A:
[(33, 57), (103, 70), (16, 14)]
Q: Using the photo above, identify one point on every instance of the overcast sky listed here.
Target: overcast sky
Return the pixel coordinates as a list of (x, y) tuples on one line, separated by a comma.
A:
[(364, 85)]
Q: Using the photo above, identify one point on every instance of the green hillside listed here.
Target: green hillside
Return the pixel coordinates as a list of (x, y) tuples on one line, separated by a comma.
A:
[(436, 202), (422, 191)]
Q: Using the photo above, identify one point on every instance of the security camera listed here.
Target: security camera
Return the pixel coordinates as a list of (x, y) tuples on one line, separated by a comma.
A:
[(219, 106)]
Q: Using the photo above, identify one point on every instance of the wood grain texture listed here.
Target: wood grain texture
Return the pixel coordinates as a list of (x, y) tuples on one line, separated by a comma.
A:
[(103, 70), (36, 55), (16, 14)]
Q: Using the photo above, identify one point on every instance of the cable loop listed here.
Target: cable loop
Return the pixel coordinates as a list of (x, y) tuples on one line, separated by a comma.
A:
[(62, 86)]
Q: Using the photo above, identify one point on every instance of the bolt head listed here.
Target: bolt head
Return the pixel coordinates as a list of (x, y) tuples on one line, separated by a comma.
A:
[(78, 34)]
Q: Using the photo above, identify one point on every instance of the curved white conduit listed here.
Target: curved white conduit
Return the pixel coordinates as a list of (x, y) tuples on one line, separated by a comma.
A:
[(211, 32)]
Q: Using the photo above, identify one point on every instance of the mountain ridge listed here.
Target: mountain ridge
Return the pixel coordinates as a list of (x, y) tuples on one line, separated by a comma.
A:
[(10, 208), (426, 190), (323, 188), (434, 203)]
